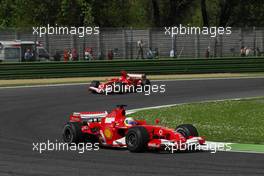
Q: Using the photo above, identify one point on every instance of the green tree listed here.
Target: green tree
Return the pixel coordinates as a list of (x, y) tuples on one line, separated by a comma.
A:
[(238, 13), (28, 13), (6, 11), (135, 13)]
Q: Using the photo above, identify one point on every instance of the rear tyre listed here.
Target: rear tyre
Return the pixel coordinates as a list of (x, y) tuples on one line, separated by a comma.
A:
[(146, 84), (187, 130), (72, 133), (137, 139), (94, 84)]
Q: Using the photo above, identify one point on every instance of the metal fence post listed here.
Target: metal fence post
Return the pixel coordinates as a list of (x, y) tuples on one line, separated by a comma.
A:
[(131, 43), (215, 47), (254, 40), (175, 45), (124, 44), (73, 41), (46, 42), (221, 45), (99, 49), (84, 46), (241, 37), (17, 34), (262, 40), (149, 38), (197, 46)]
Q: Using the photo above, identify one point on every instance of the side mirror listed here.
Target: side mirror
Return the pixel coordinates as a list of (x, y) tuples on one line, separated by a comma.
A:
[(157, 121)]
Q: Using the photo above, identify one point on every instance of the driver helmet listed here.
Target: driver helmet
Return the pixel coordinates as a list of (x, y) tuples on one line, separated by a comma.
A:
[(123, 73), (130, 121)]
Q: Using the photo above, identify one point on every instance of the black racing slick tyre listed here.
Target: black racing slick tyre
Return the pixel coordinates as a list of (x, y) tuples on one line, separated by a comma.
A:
[(146, 84), (187, 130), (72, 133), (137, 139)]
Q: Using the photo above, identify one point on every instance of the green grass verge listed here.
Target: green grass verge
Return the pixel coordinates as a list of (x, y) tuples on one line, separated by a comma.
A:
[(237, 121), (248, 147)]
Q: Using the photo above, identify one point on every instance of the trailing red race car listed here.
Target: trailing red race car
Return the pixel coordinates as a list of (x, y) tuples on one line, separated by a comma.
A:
[(116, 130), (126, 83)]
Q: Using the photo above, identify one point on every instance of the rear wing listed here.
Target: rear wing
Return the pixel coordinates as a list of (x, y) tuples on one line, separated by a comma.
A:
[(136, 76), (90, 116)]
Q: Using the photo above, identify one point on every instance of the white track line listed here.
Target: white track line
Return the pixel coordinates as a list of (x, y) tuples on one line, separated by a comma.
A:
[(167, 80), (44, 85)]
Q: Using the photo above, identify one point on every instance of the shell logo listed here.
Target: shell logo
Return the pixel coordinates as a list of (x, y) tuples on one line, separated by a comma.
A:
[(108, 133)]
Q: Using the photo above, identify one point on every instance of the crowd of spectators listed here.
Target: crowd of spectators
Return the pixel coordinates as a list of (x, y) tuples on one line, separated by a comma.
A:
[(110, 54)]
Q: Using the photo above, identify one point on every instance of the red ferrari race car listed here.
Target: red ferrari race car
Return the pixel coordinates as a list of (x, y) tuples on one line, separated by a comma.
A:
[(126, 83), (115, 129)]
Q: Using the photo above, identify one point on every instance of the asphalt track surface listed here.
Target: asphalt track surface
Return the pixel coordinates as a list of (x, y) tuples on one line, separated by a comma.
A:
[(38, 114)]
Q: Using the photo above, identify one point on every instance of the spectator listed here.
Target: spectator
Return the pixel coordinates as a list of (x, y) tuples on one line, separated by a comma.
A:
[(140, 49), (100, 55), (207, 52), (150, 54), (156, 53), (258, 52), (247, 51), (242, 51), (110, 55), (74, 54), (70, 55), (28, 55), (88, 54), (172, 54), (57, 56), (33, 55), (66, 55)]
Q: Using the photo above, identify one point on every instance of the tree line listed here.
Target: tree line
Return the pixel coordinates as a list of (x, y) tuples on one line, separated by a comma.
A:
[(131, 13)]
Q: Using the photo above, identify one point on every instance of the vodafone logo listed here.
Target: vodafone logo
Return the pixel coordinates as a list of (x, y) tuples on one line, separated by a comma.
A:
[(161, 132)]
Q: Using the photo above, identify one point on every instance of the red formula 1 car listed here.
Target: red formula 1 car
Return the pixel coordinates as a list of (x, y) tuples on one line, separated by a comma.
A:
[(126, 83), (116, 130)]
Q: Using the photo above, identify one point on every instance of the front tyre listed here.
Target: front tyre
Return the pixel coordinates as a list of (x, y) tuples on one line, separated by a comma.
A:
[(72, 133), (187, 130), (137, 139)]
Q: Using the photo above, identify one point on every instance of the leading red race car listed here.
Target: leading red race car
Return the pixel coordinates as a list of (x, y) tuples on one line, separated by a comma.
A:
[(127, 82), (115, 129)]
